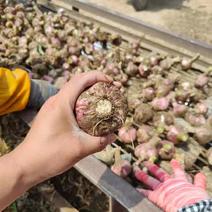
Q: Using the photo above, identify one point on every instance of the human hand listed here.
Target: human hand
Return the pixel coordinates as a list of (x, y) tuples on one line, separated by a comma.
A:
[(171, 193), (55, 142)]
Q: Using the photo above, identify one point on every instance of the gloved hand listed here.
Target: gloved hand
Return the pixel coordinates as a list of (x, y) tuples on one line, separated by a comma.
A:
[(171, 193)]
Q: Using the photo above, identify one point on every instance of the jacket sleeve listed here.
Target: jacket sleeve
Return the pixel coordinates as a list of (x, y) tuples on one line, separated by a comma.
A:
[(14, 90)]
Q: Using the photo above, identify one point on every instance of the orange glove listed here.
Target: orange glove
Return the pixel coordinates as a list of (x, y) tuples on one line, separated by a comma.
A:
[(14, 90)]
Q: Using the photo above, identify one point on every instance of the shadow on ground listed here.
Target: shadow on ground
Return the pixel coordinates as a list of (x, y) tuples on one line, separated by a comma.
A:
[(155, 5)]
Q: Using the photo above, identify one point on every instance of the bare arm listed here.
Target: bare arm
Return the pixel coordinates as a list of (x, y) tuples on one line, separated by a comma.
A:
[(11, 181), (53, 145)]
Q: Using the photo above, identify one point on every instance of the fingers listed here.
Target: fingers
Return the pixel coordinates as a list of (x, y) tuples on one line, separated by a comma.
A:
[(177, 169), (157, 171), (145, 178), (80, 82), (200, 180)]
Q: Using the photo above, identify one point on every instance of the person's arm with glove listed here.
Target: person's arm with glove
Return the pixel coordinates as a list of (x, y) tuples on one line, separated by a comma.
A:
[(18, 91), (174, 193)]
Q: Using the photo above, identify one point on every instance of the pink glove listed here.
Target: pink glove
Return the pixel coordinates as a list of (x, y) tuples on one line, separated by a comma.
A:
[(171, 192)]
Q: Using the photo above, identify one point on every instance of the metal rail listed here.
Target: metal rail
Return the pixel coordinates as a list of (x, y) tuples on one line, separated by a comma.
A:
[(114, 186)]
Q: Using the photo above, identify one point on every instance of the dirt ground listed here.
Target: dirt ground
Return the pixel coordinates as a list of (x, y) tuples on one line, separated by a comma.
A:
[(188, 18)]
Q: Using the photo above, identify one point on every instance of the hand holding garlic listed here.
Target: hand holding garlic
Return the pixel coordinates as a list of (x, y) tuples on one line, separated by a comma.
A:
[(54, 143)]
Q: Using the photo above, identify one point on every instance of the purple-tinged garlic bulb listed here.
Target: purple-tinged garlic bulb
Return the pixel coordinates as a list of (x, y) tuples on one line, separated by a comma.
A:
[(135, 47), (195, 119), (201, 81), (186, 86), (148, 94), (160, 104), (166, 150), (168, 62), (144, 70), (203, 134), (182, 96), (127, 134), (201, 108), (55, 42), (184, 91), (187, 63), (131, 69), (156, 70), (101, 109), (143, 113), (175, 77), (179, 110), (176, 135), (164, 87), (154, 60), (145, 133), (147, 151), (112, 69), (163, 119), (122, 168)]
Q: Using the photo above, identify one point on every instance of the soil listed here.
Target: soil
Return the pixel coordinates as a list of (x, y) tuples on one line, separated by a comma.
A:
[(81, 193), (72, 186), (188, 18), (33, 201)]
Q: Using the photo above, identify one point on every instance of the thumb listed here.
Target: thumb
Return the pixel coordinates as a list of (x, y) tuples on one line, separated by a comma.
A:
[(95, 144), (200, 180)]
